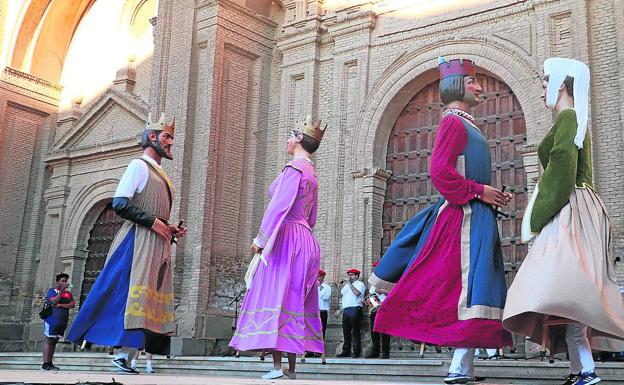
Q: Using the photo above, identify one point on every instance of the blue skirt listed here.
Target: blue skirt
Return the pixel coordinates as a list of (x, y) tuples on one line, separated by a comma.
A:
[(100, 319), (407, 245)]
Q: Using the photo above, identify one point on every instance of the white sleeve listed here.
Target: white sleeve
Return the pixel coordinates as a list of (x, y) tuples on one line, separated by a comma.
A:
[(325, 292), (133, 180), (360, 286)]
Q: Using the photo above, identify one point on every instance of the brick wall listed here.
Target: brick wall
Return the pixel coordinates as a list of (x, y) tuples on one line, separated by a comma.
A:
[(27, 115)]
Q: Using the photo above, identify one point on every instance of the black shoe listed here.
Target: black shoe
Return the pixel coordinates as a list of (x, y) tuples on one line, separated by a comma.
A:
[(355, 355), (476, 380), (49, 366), (571, 379), (385, 356), (372, 355), (343, 355), (122, 365)]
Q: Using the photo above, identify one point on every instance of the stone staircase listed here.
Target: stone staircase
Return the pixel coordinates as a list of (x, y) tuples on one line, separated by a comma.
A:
[(506, 371)]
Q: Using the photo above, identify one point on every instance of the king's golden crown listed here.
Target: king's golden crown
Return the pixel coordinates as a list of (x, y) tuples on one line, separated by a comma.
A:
[(160, 125), (311, 128)]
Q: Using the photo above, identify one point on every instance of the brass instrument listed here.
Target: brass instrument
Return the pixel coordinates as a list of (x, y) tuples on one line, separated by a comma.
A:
[(373, 302)]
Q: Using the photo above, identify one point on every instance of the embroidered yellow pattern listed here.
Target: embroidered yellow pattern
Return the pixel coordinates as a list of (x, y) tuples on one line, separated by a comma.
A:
[(135, 309), (150, 295)]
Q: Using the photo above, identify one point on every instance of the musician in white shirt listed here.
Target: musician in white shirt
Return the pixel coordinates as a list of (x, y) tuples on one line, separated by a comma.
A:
[(376, 297), (351, 304), (324, 298)]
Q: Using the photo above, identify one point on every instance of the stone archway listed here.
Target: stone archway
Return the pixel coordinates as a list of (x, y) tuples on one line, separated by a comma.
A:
[(414, 70), (397, 85)]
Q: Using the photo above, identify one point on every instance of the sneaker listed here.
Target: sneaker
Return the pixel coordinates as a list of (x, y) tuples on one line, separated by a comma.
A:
[(456, 378), (48, 366), (122, 365), (274, 373), (477, 380), (148, 368), (571, 379), (588, 378)]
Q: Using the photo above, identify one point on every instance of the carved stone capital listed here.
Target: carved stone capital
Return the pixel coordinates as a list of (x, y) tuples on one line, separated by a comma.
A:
[(377, 173)]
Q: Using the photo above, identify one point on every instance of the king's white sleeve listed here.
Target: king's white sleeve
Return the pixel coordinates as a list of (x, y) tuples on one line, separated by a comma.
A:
[(133, 180)]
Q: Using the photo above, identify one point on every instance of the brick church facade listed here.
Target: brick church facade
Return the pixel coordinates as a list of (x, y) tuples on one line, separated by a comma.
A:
[(237, 74)]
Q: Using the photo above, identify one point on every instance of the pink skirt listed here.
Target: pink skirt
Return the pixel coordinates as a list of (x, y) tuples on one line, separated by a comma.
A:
[(280, 311)]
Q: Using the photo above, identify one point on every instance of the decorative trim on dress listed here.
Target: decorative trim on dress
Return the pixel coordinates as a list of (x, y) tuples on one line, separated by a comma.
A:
[(476, 311)]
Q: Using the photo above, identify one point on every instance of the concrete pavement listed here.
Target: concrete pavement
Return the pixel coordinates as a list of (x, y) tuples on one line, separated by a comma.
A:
[(69, 377)]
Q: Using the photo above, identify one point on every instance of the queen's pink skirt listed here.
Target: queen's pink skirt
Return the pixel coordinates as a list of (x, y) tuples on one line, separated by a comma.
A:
[(280, 311)]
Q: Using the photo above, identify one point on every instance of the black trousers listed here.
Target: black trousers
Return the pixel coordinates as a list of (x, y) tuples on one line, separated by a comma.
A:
[(351, 320), (324, 322), (375, 337)]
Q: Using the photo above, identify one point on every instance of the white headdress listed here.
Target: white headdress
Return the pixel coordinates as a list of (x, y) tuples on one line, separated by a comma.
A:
[(557, 69)]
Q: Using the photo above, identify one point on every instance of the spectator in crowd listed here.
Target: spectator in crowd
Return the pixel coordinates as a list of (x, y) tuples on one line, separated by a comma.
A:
[(61, 300)]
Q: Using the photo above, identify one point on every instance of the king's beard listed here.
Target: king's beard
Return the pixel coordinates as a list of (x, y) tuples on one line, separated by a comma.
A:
[(160, 151)]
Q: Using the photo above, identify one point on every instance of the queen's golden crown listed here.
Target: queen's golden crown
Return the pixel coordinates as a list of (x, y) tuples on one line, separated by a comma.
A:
[(311, 128)]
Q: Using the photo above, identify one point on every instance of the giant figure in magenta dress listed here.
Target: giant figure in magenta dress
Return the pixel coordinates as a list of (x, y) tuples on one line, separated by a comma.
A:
[(447, 259)]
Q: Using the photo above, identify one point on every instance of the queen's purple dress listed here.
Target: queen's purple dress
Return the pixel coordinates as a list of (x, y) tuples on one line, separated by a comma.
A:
[(280, 310)]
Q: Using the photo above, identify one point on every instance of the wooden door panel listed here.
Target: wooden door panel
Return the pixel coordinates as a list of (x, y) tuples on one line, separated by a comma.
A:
[(100, 239)]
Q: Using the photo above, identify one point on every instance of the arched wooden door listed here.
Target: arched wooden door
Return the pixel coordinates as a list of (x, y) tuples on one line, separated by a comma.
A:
[(100, 239), (410, 144)]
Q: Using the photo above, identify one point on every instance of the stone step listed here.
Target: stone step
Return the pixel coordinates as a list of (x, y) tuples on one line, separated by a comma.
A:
[(393, 370)]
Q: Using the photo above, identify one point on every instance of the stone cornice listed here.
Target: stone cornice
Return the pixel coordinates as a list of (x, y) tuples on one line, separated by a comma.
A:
[(56, 192), (28, 109), (36, 84), (50, 92), (377, 173), (481, 16), (351, 22), (94, 153), (305, 36), (227, 3)]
